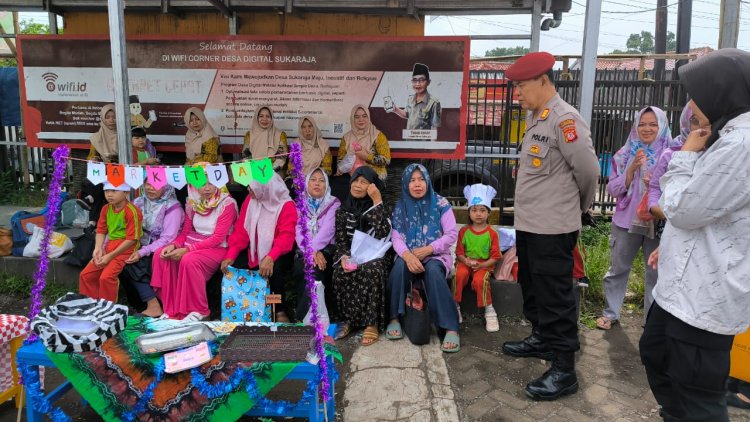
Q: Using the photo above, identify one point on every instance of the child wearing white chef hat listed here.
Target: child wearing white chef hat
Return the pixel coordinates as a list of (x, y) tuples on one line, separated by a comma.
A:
[(477, 252)]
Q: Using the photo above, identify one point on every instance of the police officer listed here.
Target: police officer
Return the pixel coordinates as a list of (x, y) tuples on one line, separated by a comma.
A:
[(555, 183)]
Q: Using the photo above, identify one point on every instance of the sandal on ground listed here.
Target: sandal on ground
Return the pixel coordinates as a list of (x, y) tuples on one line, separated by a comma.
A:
[(342, 330), (394, 327), (604, 323), (451, 338), (195, 317), (370, 336)]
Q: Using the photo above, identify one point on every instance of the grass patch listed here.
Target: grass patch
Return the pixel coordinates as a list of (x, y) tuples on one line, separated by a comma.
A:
[(14, 193), (20, 287), (595, 241)]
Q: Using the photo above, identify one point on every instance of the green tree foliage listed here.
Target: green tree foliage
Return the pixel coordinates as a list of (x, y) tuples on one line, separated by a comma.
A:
[(644, 43), (506, 51), (26, 27)]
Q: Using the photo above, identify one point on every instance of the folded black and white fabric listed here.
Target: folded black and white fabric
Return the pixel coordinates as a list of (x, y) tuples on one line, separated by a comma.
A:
[(76, 323)]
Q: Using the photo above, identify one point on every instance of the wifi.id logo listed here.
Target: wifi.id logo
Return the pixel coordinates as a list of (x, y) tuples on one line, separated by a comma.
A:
[(50, 78)]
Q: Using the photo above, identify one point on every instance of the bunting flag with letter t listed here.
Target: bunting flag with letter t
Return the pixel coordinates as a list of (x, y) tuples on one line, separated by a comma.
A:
[(196, 176)]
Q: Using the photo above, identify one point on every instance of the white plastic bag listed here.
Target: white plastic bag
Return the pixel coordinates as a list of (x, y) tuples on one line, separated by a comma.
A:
[(346, 163), (366, 248), (320, 292), (58, 244)]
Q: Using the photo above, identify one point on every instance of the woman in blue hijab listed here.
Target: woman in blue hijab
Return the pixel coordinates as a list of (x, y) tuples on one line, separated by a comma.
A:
[(424, 230)]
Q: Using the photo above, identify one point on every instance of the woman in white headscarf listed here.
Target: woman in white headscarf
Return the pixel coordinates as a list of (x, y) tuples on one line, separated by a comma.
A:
[(363, 145), (104, 141), (268, 218), (316, 153), (201, 141), (264, 139)]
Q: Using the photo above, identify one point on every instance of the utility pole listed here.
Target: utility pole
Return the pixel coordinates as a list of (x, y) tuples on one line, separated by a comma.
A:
[(660, 43), (684, 15), (588, 60), (729, 23)]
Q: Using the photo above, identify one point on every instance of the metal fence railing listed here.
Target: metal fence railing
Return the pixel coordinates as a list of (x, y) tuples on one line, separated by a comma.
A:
[(496, 124), (21, 164)]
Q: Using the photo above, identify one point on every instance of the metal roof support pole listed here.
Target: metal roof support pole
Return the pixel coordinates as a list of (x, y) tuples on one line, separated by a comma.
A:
[(729, 23), (536, 25), (588, 59), (233, 24), (52, 23), (116, 12)]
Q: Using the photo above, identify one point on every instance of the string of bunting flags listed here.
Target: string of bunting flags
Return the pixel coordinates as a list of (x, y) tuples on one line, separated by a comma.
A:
[(243, 172)]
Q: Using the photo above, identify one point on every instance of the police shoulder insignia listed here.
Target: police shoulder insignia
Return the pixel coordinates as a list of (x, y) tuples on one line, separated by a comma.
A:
[(544, 114), (535, 149), (568, 127)]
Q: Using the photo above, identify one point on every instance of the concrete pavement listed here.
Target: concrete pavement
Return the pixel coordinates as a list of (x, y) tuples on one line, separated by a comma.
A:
[(397, 381)]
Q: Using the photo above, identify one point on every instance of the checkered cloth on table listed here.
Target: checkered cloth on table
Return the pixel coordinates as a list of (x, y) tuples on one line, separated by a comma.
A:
[(11, 326)]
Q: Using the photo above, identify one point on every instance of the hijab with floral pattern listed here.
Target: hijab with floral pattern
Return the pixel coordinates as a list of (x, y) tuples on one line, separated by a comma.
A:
[(418, 220)]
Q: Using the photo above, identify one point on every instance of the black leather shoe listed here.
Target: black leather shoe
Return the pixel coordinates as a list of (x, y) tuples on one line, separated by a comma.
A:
[(558, 381), (531, 347)]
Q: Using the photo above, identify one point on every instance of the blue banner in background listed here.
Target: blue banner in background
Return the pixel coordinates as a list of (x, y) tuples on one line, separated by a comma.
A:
[(10, 100)]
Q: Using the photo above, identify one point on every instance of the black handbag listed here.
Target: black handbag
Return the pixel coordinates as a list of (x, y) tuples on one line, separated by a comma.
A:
[(417, 317), (83, 248)]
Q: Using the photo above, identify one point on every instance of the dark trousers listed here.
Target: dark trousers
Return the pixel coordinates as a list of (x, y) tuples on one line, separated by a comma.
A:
[(281, 269), (687, 368), (545, 265), (303, 299), (440, 300), (136, 280)]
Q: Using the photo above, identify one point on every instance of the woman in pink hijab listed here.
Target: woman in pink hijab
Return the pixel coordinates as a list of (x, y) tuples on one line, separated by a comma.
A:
[(268, 218)]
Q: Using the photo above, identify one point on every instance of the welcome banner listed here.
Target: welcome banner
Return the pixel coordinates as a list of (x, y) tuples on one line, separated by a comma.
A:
[(67, 79)]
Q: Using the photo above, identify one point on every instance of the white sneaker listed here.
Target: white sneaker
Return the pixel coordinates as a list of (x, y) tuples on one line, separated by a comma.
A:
[(490, 317)]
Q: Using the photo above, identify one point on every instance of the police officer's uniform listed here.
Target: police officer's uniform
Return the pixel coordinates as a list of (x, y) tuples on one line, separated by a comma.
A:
[(555, 183)]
